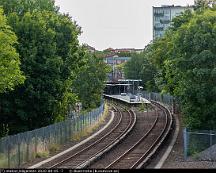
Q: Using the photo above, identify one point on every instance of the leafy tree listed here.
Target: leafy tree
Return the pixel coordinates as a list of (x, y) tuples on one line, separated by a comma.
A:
[(187, 66), (201, 5), (89, 82), (132, 68), (58, 71), (20, 7), (48, 48), (161, 53), (139, 67), (99, 54), (195, 65), (184, 63), (11, 75), (181, 19)]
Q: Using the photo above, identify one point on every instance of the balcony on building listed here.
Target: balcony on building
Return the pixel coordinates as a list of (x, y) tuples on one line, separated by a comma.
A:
[(164, 21), (158, 27), (158, 14)]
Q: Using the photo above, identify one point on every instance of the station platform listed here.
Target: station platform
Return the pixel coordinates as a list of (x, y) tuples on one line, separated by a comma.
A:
[(126, 99)]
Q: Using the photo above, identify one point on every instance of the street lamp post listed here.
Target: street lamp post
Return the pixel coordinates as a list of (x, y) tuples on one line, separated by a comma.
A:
[(113, 69)]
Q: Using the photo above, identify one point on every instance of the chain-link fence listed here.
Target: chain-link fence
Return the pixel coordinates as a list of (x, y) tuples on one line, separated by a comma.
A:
[(24, 147), (197, 141), (166, 99)]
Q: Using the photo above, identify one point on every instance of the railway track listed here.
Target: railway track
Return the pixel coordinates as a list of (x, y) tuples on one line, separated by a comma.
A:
[(139, 154), (87, 153)]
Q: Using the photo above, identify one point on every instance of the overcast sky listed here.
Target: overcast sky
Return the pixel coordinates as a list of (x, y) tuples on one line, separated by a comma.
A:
[(115, 23)]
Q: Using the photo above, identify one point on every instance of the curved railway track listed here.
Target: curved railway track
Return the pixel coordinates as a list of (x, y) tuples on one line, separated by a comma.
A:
[(124, 122), (138, 155)]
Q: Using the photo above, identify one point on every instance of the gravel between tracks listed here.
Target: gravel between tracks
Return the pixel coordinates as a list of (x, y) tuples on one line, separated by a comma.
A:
[(144, 123), (176, 157)]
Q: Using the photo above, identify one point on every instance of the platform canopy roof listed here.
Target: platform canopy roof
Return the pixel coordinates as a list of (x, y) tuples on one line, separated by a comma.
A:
[(118, 84), (129, 80)]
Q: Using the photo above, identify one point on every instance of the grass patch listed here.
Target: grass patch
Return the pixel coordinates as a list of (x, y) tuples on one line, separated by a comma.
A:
[(3, 161), (44, 154), (142, 107), (195, 155), (53, 148), (88, 130)]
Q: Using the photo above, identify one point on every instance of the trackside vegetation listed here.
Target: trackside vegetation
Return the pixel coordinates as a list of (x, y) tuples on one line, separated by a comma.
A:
[(183, 64), (44, 69)]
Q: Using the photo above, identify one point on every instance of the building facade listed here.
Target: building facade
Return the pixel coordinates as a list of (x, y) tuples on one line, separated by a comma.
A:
[(162, 17), (114, 61), (124, 50)]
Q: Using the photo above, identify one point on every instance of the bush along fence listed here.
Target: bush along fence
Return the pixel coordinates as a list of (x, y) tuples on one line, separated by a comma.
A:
[(197, 141), (24, 147)]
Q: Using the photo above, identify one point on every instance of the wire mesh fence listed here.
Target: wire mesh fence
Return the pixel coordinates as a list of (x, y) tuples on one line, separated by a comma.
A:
[(24, 147), (197, 141), (166, 99)]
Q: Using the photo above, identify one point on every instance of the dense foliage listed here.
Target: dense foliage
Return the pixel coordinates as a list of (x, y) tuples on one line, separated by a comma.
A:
[(89, 82), (194, 63), (51, 60), (20, 7), (10, 74), (189, 67), (139, 67), (184, 63)]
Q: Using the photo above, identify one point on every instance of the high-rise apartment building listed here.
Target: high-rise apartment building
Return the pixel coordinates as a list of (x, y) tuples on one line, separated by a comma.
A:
[(162, 17)]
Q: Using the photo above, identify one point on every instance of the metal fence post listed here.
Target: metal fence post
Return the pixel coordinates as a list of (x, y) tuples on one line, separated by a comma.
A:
[(89, 119), (8, 152), (81, 123), (27, 148), (35, 141), (90, 115), (185, 143), (65, 131), (210, 138), (83, 120), (19, 157), (70, 133)]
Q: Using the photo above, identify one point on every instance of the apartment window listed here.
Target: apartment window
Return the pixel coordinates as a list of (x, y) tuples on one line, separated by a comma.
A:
[(157, 19), (166, 11)]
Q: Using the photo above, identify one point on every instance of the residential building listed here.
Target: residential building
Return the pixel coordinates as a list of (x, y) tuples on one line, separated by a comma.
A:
[(114, 61), (162, 18), (124, 50), (130, 50)]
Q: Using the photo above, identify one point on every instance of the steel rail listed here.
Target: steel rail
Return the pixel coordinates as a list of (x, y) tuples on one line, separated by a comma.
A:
[(62, 162), (163, 138), (137, 143), (152, 147), (147, 155)]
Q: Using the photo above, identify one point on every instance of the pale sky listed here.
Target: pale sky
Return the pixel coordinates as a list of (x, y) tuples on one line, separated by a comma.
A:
[(115, 23)]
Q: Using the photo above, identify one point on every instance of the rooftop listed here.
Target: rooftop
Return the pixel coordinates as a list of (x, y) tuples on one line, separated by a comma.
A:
[(172, 6), (129, 80)]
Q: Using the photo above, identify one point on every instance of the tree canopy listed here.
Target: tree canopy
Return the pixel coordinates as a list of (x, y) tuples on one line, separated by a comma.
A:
[(52, 61), (90, 81), (10, 73), (139, 67), (185, 60), (194, 63)]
